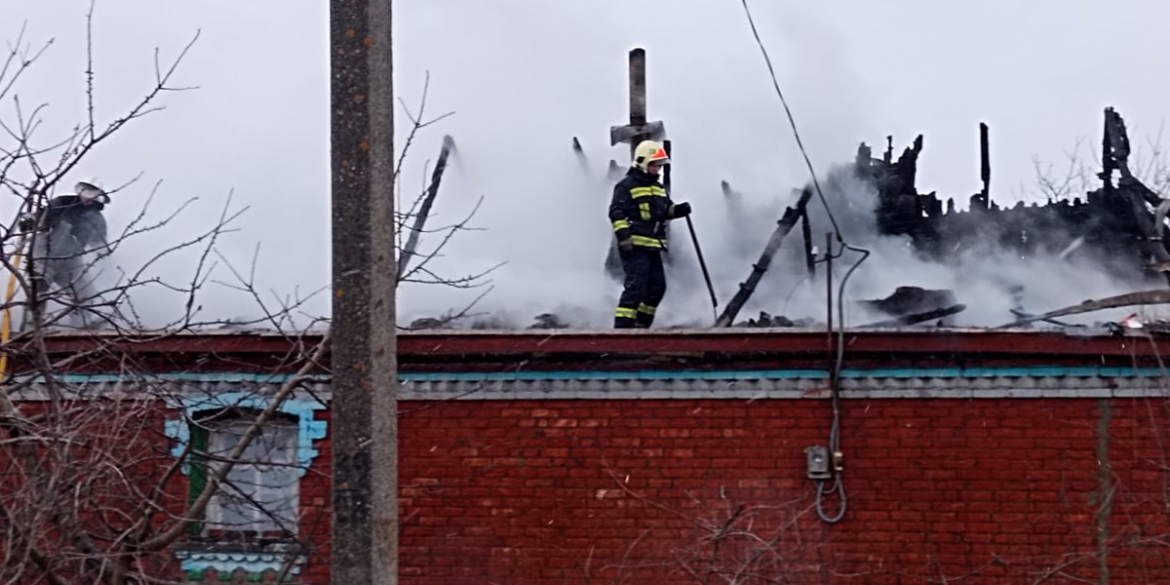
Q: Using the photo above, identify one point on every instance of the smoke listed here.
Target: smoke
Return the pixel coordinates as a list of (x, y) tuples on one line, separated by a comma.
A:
[(556, 251), (990, 280), (546, 217), (523, 78)]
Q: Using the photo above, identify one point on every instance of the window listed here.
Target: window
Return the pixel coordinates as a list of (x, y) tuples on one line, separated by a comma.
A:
[(252, 522), (259, 496)]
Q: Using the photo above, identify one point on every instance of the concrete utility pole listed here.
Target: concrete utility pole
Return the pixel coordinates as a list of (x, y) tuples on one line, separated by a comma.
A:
[(364, 356)]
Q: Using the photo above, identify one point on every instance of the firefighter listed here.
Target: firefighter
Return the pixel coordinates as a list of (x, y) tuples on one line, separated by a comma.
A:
[(639, 212), (69, 227)]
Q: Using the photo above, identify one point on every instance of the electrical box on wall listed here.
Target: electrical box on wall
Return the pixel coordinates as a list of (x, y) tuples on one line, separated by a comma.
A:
[(818, 462)]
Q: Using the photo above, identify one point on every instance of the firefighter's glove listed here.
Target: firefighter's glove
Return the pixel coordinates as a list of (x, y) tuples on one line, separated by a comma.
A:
[(624, 246), (682, 209)]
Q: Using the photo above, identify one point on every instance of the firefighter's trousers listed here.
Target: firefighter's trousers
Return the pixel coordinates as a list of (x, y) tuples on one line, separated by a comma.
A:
[(644, 288)]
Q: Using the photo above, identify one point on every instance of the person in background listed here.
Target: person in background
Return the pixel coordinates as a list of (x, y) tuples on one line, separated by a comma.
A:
[(68, 228)]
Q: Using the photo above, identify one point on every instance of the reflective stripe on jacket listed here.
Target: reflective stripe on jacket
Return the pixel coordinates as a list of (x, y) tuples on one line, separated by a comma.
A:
[(640, 209)]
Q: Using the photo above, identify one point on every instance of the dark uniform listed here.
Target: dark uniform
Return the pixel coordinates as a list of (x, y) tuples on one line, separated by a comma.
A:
[(72, 226), (639, 212)]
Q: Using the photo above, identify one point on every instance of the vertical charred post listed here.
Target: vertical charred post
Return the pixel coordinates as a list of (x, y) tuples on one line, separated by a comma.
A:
[(810, 259), (637, 90), (985, 166)]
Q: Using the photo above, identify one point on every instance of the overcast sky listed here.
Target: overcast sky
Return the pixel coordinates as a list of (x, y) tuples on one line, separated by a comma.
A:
[(524, 76)]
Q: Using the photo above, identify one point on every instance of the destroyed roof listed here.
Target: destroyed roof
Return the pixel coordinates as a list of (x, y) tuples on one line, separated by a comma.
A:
[(1111, 223), (1112, 227)]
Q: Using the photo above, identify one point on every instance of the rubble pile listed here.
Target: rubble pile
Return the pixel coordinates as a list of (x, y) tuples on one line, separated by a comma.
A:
[(1112, 223)]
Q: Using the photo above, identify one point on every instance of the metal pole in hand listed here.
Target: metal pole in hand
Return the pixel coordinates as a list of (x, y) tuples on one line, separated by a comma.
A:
[(694, 238), (703, 265)]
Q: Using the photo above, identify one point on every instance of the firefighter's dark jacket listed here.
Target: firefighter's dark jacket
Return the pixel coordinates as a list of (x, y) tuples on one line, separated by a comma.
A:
[(640, 209), (67, 206)]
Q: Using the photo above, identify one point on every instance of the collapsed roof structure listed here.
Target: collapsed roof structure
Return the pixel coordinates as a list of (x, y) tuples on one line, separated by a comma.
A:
[(1112, 221), (1118, 226)]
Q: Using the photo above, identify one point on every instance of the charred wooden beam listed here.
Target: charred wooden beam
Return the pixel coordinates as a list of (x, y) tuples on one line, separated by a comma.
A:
[(1160, 220), (424, 210), (1026, 315), (582, 159), (907, 300), (1149, 297), (1115, 222), (985, 165), (1152, 232), (579, 151), (732, 199), (638, 129), (1116, 146), (614, 172), (746, 288), (1107, 165), (637, 86), (666, 168), (728, 192), (1115, 156), (810, 257), (915, 318)]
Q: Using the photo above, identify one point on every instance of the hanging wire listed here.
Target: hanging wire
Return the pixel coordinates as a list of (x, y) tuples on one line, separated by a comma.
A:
[(837, 487)]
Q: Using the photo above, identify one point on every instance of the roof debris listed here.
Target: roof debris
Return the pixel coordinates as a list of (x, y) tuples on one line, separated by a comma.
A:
[(1121, 225), (1114, 222)]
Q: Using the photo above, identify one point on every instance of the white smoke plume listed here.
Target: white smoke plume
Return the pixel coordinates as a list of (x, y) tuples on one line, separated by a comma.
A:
[(569, 280), (524, 77), (547, 219)]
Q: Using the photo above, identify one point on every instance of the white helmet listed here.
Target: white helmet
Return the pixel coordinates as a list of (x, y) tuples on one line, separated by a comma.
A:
[(90, 190), (649, 151)]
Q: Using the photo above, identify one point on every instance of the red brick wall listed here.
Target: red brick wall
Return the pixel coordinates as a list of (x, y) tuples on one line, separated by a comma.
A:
[(625, 491), (95, 461), (993, 491)]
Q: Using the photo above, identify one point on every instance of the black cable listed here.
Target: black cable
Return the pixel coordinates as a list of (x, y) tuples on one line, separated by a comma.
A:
[(791, 120), (835, 431)]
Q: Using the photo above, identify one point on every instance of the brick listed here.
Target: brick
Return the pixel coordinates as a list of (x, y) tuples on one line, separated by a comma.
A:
[(967, 479)]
